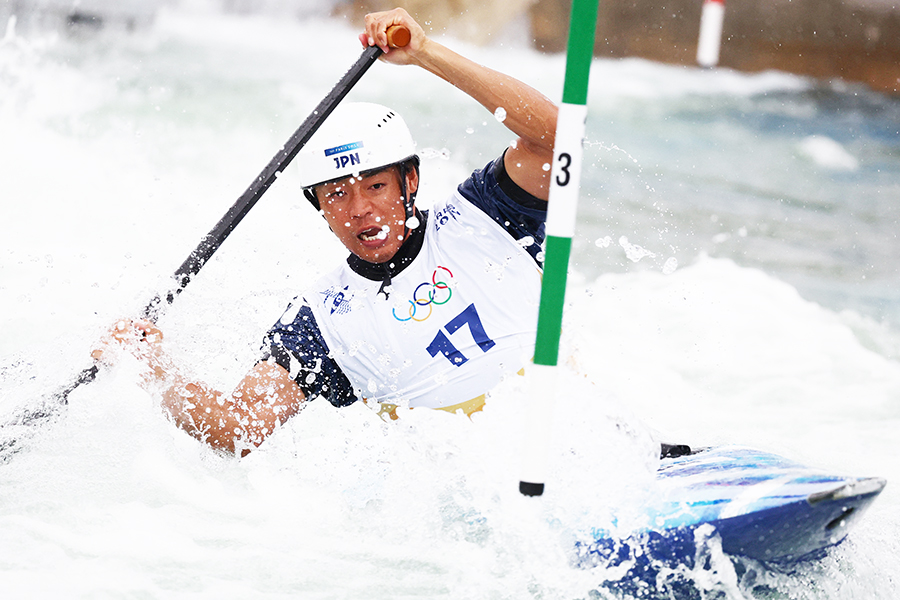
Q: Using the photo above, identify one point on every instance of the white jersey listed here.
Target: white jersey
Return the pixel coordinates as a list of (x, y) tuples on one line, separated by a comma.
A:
[(458, 318)]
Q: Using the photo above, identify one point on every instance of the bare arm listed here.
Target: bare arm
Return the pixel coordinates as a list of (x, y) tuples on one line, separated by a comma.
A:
[(529, 114), (266, 397)]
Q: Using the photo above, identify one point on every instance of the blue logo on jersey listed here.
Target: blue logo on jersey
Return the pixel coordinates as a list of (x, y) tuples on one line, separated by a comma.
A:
[(338, 301), (443, 216)]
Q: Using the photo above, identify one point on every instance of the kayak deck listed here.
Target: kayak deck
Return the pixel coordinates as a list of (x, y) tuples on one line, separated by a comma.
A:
[(760, 505)]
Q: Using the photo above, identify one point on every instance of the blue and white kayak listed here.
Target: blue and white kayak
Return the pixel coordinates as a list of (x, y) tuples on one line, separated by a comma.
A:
[(760, 505)]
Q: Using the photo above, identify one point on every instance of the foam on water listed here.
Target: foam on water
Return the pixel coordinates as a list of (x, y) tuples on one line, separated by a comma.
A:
[(115, 164), (828, 153)]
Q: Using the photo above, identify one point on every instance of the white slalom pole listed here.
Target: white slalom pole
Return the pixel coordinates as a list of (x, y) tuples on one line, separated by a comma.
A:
[(710, 40)]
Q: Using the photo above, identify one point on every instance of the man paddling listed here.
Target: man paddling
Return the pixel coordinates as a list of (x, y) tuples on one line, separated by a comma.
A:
[(432, 308)]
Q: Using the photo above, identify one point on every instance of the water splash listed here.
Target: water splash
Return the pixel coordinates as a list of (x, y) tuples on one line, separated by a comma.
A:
[(634, 252)]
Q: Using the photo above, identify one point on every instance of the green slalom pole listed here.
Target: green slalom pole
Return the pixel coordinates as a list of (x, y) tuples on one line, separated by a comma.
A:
[(564, 187)]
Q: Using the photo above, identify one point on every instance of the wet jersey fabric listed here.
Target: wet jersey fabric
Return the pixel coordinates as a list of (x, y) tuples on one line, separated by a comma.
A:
[(459, 316)]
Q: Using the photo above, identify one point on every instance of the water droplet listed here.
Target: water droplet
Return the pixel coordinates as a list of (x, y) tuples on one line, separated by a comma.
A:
[(670, 266)]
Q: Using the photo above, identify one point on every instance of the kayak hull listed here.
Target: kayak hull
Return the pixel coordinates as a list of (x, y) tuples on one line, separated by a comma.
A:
[(750, 503)]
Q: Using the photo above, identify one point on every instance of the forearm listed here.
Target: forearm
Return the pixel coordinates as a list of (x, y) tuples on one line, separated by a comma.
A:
[(196, 408), (200, 411), (529, 114), (265, 398)]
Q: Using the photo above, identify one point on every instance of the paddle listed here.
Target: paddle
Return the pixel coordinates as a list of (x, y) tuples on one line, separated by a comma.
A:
[(398, 37)]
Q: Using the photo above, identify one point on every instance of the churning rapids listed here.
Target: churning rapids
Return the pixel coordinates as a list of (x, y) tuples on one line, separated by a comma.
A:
[(734, 279)]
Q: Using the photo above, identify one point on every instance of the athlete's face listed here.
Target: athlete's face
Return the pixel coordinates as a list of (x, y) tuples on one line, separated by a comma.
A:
[(366, 213)]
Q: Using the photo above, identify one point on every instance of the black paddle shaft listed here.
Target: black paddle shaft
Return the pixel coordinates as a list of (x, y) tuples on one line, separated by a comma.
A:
[(212, 240)]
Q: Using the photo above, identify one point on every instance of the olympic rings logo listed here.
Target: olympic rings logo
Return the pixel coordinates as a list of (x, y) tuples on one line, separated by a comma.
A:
[(429, 293)]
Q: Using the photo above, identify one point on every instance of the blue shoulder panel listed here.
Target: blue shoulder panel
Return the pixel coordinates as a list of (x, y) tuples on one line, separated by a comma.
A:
[(518, 212), (300, 349)]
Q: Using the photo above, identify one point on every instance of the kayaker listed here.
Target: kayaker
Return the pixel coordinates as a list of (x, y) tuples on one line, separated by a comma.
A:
[(432, 308)]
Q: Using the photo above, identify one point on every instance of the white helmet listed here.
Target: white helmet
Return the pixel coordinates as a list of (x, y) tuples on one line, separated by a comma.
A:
[(356, 137)]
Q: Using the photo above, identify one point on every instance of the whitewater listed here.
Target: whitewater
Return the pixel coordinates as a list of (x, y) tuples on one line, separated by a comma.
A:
[(734, 280)]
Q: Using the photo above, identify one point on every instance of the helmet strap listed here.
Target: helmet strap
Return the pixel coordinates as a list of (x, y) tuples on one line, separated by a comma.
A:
[(409, 199)]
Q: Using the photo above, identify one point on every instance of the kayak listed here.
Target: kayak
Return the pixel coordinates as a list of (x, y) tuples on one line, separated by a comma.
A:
[(755, 504)]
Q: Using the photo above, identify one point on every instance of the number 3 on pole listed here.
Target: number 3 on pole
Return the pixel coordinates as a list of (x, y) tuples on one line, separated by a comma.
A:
[(566, 180), (562, 180)]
